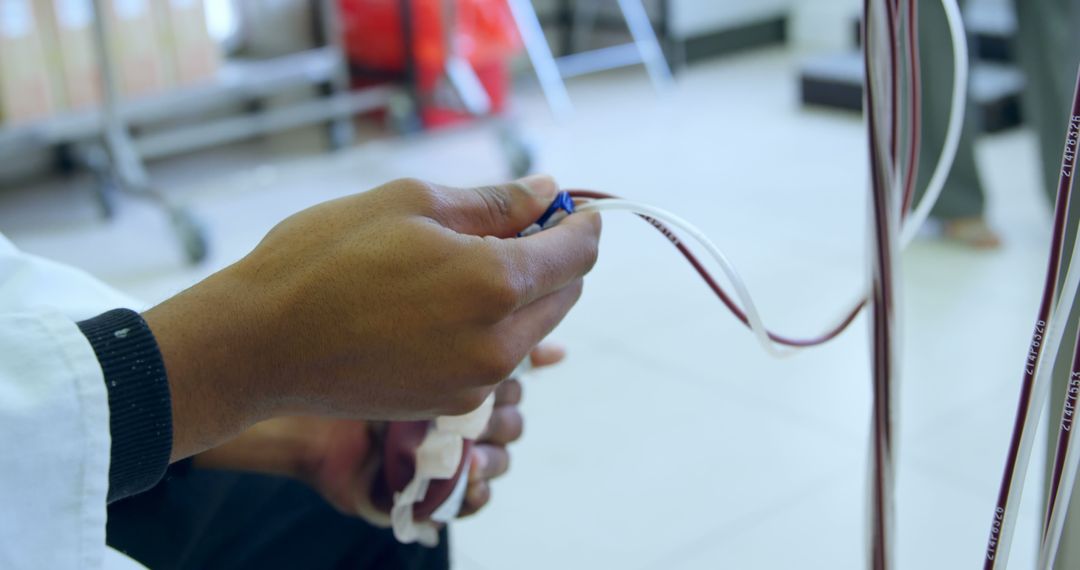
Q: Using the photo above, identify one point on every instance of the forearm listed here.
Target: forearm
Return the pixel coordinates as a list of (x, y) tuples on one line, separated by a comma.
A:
[(201, 334), (327, 316), (274, 447)]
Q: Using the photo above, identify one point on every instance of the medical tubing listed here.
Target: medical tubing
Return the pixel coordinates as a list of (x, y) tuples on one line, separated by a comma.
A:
[(713, 284), (1053, 339), (915, 107), (1064, 471), (1060, 491), (884, 181), (918, 216), (911, 224), (741, 291), (892, 179), (892, 23), (1029, 406), (889, 174)]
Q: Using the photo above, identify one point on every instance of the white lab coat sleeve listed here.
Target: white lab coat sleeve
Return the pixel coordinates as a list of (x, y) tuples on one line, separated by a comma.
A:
[(28, 281), (54, 437), (54, 417)]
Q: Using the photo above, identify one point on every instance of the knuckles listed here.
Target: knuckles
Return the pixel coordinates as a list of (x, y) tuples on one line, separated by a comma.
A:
[(493, 359), (497, 287), (464, 402), (498, 202), (495, 365), (501, 295), (421, 196)]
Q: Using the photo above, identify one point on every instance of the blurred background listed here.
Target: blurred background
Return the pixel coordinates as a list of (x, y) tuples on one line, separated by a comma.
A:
[(152, 142)]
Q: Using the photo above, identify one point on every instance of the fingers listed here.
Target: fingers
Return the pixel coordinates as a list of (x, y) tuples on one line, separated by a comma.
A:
[(508, 393), (490, 458), (547, 354), (502, 210), (532, 323), (505, 426), (549, 260), (488, 462), (476, 497)]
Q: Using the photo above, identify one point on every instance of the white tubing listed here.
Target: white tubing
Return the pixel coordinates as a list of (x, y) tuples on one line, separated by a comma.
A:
[(915, 220), (741, 291), (1038, 399), (1040, 389), (911, 225), (1048, 553), (952, 133)]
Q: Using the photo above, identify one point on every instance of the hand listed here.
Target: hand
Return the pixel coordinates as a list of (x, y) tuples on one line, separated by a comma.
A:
[(336, 457), (406, 302), (490, 458), (340, 465)]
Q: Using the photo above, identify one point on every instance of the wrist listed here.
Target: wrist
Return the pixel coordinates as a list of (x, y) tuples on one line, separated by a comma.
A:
[(204, 337)]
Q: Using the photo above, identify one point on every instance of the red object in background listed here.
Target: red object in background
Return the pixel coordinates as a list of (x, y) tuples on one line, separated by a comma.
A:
[(485, 36)]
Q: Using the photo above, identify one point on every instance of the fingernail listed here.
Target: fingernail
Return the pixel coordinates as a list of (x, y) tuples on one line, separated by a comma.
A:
[(548, 353)]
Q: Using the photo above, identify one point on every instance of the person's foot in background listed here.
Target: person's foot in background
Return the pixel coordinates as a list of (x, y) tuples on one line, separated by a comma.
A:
[(973, 232)]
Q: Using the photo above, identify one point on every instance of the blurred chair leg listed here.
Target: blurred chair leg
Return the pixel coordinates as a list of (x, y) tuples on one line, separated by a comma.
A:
[(341, 132), (543, 61), (459, 76), (652, 55)]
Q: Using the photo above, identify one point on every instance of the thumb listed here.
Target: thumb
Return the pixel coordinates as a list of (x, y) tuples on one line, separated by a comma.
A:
[(502, 211)]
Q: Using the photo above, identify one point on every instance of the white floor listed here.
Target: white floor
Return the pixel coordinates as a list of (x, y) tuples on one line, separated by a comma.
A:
[(668, 440)]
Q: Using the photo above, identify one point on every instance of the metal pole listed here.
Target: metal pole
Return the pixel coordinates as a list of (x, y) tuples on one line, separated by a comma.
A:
[(637, 19), (341, 128), (547, 70), (126, 162)]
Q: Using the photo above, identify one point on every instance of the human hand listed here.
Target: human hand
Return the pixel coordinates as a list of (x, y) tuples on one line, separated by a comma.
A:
[(490, 456), (406, 302), (342, 464), (338, 458)]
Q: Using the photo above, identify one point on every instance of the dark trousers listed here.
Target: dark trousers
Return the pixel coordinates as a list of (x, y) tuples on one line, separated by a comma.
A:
[(1048, 48), (962, 196), (216, 519)]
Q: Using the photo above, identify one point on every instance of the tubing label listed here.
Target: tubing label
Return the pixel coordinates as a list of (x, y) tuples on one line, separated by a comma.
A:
[(991, 550), (1069, 163), (1036, 344), (664, 230), (1070, 402)]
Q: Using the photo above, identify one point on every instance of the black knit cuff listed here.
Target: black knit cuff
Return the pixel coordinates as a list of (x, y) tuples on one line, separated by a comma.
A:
[(140, 410)]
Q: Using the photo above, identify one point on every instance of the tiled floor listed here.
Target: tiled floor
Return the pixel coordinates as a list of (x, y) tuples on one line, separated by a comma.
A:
[(668, 440)]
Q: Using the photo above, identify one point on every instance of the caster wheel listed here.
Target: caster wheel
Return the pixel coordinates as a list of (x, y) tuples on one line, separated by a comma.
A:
[(254, 106), (105, 191), (191, 233), (105, 187), (67, 163)]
